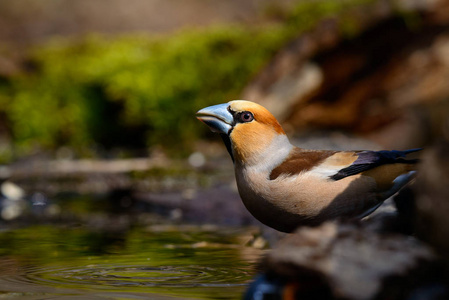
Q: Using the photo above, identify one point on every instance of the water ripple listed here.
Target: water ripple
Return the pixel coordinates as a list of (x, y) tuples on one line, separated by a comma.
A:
[(140, 276)]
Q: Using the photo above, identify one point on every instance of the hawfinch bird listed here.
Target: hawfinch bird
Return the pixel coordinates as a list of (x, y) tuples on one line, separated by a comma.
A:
[(284, 186)]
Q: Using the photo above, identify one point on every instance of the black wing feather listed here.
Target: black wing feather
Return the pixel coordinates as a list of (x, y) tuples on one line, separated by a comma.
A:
[(370, 159)]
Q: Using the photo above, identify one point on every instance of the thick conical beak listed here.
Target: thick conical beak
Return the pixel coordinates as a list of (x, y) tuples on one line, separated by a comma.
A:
[(217, 117)]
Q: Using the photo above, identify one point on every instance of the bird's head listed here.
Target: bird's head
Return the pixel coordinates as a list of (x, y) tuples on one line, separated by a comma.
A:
[(247, 128)]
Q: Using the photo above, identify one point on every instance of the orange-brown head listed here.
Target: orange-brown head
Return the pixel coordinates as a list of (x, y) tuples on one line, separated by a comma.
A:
[(247, 128)]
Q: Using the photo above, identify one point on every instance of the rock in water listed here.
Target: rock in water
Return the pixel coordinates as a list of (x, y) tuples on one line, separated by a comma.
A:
[(342, 261)]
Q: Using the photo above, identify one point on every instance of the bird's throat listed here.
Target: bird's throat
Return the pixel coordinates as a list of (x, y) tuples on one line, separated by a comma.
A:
[(227, 142)]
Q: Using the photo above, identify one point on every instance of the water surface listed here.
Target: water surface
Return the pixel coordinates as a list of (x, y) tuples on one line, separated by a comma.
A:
[(157, 262)]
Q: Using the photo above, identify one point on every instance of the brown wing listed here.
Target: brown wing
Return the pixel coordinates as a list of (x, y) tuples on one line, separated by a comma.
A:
[(300, 160)]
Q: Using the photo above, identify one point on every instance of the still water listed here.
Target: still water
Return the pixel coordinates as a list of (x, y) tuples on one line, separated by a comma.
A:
[(147, 262)]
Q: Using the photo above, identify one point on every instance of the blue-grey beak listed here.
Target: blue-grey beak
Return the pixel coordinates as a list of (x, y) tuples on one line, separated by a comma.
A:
[(217, 117)]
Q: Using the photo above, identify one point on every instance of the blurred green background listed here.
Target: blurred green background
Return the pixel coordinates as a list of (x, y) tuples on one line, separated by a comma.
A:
[(128, 83)]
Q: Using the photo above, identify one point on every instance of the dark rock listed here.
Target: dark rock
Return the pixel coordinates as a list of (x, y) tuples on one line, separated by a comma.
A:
[(432, 202), (344, 261), (218, 204)]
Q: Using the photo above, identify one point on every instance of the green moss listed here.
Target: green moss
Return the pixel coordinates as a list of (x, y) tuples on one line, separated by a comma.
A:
[(138, 91), (102, 89)]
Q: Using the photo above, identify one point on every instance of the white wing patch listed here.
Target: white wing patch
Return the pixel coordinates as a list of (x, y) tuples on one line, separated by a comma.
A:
[(325, 171)]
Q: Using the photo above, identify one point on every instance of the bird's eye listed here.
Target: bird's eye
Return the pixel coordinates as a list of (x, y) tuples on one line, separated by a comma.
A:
[(246, 116)]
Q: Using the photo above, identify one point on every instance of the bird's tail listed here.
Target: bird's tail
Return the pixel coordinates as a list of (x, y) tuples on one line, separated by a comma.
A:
[(401, 156)]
